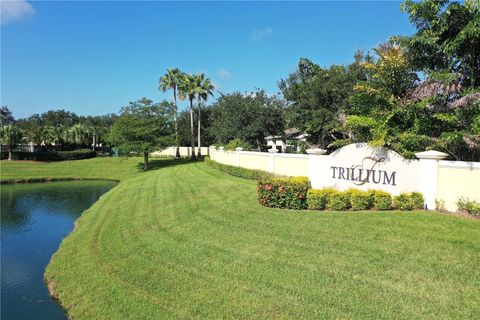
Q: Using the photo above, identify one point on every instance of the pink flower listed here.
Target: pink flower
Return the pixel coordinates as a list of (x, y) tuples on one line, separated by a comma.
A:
[(269, 187)]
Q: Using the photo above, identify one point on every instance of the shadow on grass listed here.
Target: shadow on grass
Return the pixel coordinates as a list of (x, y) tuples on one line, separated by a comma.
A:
[(155, 164)]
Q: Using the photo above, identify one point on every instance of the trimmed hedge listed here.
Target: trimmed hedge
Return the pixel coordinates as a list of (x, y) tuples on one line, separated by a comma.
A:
[(239, 172), (317, 199), (339, 200), (361, 200), (470, 206), (382, 200), (53, 155), (418, 200), (355, 199), (403, 201), (290, 193)]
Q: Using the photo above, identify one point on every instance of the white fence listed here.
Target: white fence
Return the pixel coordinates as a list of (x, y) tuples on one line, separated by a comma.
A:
[(184, 152)]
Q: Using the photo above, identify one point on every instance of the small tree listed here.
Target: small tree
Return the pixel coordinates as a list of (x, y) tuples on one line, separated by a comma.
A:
[(10, 135), (143, 127)]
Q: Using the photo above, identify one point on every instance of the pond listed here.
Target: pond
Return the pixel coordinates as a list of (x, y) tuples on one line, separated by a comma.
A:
[(34, 220)]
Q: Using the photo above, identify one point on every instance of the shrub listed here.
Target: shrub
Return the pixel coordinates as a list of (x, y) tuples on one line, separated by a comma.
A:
[(54, 155), (235, 143), (339, 200), (382, 200), (318, 199), (290, 193), (361, 200), (470, 206), (239, 172), (404, 202), (417, 200)]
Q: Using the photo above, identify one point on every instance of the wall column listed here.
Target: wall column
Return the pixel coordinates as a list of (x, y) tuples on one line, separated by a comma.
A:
[(428, 175), (238, 149), (314, 166)]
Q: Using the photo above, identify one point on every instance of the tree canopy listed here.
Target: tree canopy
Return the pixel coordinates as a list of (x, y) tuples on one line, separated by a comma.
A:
[(249, 117), (143, 127)]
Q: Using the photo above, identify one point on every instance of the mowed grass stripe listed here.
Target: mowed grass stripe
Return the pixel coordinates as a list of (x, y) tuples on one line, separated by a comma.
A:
[(187, 241)]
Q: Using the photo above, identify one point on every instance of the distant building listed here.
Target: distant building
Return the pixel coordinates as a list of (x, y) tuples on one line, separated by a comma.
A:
[(288, 142)]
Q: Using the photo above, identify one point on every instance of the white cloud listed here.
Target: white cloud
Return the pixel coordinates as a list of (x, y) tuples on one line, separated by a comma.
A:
[(224, 74), (260, 34), (14, 11)]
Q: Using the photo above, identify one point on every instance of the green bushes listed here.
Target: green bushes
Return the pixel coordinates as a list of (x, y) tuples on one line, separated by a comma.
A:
[(403, 202), (317, 199), (470, 206), (54, 155), (339, 200), (354, 199), (382, 200), (237, 171), (409, 201), (290, 193), (418, 200), (237, 143), (361, 200)]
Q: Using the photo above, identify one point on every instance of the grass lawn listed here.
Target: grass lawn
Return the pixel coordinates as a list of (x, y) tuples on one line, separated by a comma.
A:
[(187, 241)]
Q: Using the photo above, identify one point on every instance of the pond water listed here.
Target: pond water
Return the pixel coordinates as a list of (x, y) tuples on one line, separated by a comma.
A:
[(34, 220)]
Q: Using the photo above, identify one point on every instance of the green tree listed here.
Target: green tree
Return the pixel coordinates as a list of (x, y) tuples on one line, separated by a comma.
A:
[(10, 135), (318, 97), (77, 134), (171, 80), (204, 90), (187, 90), (447, 37), (143, 127), (248, 117), (6, 116)]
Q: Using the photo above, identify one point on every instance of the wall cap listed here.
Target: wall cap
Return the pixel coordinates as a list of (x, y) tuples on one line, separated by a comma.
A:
[(273, 150), (431, 154), (221, 148), (238, 149), (316, 151)]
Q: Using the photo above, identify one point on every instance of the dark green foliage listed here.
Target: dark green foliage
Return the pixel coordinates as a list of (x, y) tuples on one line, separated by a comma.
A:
[(418, 200), (403, 202), (289, 193), (52, 155), (361, 200), (318, 199), (339, 200), (318, 96), (143, 127), (470, 206), (236, 143), (447, 37), (382, 200), (249, 117), (238, 171)]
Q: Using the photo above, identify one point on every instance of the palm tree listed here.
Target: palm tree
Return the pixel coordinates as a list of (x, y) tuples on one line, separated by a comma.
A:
[(204, 89), (10, 135), (188, 89), (171, 80), (77, 134)]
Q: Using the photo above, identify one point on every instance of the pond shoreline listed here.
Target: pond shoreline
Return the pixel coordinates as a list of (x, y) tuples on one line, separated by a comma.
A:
[(49, 179)]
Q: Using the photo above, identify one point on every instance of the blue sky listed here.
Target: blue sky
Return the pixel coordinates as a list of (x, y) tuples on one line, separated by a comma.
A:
[(95, 57)]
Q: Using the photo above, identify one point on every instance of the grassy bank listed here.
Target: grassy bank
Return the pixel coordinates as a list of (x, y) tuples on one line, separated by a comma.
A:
[(187, 241), (97, 168)]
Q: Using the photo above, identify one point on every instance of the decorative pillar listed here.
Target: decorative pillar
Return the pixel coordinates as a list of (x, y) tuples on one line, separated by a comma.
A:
[(428, 175), (314, 166), (238, 149)]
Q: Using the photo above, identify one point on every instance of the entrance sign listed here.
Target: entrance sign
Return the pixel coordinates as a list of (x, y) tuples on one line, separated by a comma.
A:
[(364, 167)]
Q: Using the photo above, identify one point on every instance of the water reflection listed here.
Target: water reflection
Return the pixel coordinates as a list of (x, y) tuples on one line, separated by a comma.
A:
[(34, 220)]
